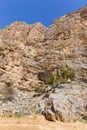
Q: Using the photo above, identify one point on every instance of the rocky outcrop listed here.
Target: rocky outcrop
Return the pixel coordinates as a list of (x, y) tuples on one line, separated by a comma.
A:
[(66, 103), (31, 55), (68, 37), (18, 53)]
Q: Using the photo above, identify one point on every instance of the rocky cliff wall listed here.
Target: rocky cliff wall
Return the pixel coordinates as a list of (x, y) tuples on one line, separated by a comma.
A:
[(31, 54), (26, 50)]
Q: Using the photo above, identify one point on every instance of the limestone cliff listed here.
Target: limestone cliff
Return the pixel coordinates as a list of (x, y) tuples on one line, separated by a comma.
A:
[(27, 50)]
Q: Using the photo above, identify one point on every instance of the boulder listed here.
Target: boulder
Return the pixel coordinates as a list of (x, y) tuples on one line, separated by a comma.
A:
[(49, 115)]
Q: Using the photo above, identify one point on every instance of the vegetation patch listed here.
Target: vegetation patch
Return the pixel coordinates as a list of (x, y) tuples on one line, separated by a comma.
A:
[(85, 118), (41, 88), (16, 115), (52, 79), (65, 74), (2, 54)]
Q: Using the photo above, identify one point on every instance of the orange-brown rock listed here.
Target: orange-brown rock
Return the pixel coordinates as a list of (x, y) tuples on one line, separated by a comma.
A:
[(26, 50)]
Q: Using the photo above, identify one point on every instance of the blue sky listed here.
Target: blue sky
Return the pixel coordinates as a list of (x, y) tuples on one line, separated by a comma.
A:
[(32, 11)]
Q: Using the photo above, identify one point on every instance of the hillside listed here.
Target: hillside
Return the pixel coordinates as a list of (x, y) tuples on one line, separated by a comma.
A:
[(44, 69)]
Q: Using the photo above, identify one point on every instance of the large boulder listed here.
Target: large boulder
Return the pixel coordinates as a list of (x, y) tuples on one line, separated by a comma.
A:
[(67, 103)]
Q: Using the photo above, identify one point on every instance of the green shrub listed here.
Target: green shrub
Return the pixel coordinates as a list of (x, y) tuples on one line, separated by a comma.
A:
[(51, 80), (85, 118), (67, 73), (56, 79), (39, 89), (2, 54)]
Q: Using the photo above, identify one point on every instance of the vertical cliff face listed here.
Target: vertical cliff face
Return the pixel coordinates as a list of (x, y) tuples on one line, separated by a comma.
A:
[(42, 60), (26, 50), (68, 36)]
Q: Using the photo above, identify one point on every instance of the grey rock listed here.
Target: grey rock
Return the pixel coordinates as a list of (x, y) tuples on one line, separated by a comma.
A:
[(68, 103), (41, 106)]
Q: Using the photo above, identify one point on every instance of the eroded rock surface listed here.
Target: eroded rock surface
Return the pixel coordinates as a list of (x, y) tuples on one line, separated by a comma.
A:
[(67, 102), (29, 54)]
